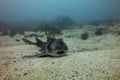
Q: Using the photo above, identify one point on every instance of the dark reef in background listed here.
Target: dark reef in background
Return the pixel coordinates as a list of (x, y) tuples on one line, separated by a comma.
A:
[(47, 26), (63, 21), (11, 30), (55, 26)]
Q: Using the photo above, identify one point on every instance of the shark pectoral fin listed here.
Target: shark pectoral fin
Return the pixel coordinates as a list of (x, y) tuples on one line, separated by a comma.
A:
[(28, 42), (41, 55), (33, 56)]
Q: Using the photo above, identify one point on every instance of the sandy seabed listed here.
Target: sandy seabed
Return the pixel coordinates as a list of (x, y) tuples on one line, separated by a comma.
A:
[(97, 58)]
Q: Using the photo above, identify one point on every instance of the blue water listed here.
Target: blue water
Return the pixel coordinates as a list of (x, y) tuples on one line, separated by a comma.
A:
[(79, 10)]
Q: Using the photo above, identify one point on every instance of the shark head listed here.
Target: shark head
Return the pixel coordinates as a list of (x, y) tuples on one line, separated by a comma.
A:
[(56, 47)]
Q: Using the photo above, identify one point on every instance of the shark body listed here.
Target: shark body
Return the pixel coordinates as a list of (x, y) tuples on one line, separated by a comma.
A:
[(52, 47)]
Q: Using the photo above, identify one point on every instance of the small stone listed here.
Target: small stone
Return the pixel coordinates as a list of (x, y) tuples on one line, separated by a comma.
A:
[(17, 40), (15, 69), (25, 74), (53, 62), (14, 61), (103, 71)]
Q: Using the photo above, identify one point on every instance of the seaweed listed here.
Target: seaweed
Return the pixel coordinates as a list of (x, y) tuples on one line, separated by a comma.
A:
[(84, 36)]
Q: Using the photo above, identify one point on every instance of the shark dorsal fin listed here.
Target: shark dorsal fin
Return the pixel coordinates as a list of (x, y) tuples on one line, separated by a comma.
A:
[(39, 42)]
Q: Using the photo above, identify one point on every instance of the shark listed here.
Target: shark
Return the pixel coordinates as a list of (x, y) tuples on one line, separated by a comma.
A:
[(54, 47)]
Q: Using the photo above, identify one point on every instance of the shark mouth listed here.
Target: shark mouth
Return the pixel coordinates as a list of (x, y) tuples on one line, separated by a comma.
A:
[(60, 52)]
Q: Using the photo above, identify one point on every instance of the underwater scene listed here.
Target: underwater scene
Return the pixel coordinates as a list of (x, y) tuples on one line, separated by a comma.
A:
[(59, 39)]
